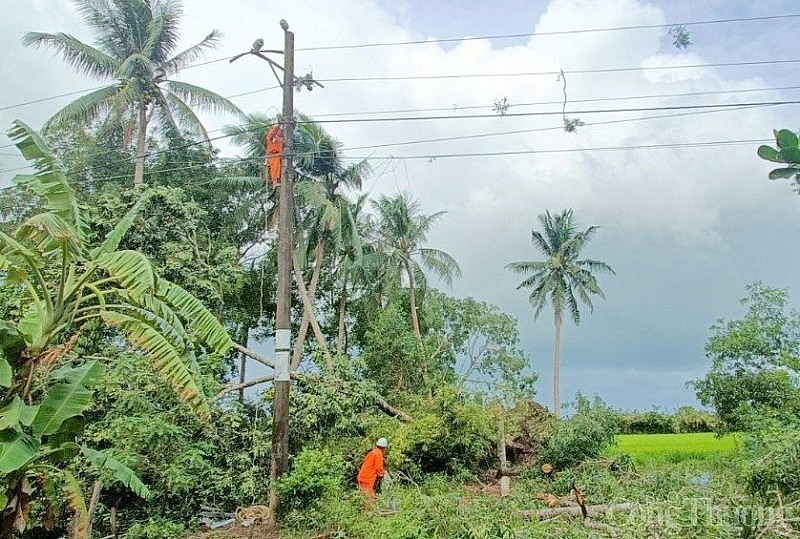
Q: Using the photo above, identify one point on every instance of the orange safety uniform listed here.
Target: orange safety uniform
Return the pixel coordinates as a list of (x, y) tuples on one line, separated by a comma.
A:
[(274, 143), (370, 471)]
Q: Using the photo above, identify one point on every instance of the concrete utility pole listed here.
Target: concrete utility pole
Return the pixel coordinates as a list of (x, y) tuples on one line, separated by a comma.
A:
[(280, 404)]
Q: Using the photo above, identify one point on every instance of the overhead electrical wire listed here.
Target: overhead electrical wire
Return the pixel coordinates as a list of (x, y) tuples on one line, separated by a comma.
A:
[(435, 156), (718, 106), (551, 33), (713, 107), (555, 73), (453, 40)]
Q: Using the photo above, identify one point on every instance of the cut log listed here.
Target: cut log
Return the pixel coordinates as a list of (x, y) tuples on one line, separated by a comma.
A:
[(591, 510), (505, 486)]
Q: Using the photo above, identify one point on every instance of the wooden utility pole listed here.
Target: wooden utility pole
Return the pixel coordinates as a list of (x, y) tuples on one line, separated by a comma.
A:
[(279, 463), (280, 404)]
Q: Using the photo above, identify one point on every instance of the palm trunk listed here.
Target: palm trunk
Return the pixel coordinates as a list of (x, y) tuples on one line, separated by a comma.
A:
[(342, 310), (243, 361), (302, 333), (557, 367), (138, 174), (309, 310), (412, 298)]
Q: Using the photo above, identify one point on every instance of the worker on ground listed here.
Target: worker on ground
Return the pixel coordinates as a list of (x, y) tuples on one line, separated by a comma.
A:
[(373, 470)]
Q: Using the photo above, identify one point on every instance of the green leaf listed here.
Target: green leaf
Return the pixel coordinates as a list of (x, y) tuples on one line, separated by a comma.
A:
[(9, 414), (66, 400), (16, 450), (11, 345), (779, 173), (87, 374), (63, 453), (3, 502), (16, 412), (131, 268), (69, 431), (111, 243), (170, 362), (786, 139), (6, 374), (121, 473), (201, 320), (769, 153)]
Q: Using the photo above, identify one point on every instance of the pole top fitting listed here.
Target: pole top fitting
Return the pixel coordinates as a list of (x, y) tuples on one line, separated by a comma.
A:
[(284, 25)]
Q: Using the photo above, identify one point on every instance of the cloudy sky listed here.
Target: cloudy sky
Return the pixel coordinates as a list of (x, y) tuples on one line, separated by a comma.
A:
[(685, 228)]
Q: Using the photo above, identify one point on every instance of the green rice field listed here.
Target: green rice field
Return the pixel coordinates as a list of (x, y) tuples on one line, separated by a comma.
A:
[(676, 447)]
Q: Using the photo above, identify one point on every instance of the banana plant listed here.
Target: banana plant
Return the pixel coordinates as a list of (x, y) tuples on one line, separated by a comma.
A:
[(68, 282), (787, 152)]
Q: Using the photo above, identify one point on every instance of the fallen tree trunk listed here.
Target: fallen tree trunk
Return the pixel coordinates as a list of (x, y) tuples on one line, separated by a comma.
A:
[(591, 510)]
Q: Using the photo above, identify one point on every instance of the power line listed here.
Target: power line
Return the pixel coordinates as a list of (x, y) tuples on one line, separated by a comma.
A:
[(456, 107), (551, 33), (723, 106), (433, 157), (699, 144), (554, 73), (541, 129), (554, 112), (452, 40)]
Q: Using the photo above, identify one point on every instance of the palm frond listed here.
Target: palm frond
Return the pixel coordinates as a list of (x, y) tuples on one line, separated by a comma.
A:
[(441, 263), (200, 98), (186, 58), (87, 108), (85, 58)]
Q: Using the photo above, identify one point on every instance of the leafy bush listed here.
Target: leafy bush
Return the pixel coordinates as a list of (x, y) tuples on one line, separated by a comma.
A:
[(453, 434), (155, 528), (773, 452), (582, 436), (689, 419), (315, 474), (652, 422)]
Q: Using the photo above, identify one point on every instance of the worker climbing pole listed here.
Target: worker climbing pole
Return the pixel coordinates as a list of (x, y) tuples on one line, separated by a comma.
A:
[(273, 143)]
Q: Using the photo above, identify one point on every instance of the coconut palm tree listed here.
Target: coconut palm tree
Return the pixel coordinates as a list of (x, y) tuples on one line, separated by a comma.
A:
[(401, 231), (562, 279), (135, 47)]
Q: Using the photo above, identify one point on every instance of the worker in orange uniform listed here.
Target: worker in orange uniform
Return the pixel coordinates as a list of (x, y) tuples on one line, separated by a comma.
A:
[(274, 143), (372, 471)]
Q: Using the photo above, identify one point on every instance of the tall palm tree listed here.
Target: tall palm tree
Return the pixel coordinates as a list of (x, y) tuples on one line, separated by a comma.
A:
[(135, 47), (561, 279), (402, 229)]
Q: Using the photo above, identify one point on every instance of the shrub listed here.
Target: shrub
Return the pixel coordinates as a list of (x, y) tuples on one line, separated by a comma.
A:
[(453, 434), (315, 474), (689, 419), (156, 528), (652, 422), (773, 452), (582, 436)]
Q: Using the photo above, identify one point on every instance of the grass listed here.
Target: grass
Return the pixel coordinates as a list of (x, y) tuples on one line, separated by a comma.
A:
[(674, 448)]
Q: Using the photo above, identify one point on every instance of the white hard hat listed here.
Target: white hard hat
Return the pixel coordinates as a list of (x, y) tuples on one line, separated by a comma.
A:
[(382, 442)]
